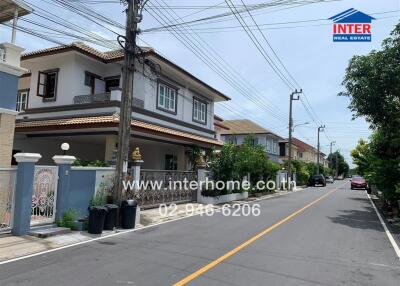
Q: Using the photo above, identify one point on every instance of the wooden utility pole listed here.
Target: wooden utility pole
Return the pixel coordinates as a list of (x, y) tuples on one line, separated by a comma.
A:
[(330, 156), (125, 115), (318, 152), (290, 134), (337, 164)]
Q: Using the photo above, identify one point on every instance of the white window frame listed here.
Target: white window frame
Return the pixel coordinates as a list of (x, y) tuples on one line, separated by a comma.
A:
[(167, 97), (199, 111), (269, 144), (274, 146), (22, 100)]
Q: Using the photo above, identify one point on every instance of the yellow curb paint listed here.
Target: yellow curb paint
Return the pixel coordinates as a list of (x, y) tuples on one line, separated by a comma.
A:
[(217, 261)]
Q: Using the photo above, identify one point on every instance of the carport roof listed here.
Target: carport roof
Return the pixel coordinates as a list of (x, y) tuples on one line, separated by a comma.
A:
[(108, 121)]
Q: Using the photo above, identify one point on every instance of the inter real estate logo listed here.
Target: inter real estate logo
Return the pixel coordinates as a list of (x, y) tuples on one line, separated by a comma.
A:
[(352, 26)]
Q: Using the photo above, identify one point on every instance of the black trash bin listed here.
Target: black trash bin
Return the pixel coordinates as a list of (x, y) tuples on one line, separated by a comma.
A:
[(97, 216), (111, 217), (128, 214)]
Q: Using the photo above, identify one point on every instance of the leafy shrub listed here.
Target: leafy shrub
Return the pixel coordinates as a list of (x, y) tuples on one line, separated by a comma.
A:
[(82, 163), (99, 198), (235, 162), (68, 219)]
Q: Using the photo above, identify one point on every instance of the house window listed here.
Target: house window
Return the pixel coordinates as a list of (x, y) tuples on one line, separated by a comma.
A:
[(274, 146), (199, 111), (47, 85), (269, 145), (232, 140), (22, 100), (171, 162), (300, 154), (91, 79), (167, 98), (112, 82), (254, 141)]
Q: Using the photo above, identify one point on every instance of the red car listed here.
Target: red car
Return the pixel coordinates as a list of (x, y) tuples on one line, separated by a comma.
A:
[(358, 183)]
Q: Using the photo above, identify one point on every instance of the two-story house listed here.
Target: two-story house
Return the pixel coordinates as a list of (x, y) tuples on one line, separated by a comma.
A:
[(72, 94), (301, 151), (241, 128)]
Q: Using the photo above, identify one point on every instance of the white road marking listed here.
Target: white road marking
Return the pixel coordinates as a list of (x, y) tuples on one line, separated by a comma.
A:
[(90, 240), (389, 235)]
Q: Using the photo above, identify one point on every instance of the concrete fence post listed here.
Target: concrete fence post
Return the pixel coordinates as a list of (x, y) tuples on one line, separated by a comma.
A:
[(202, 174), (64, 173), (23, 192), (136, 165)]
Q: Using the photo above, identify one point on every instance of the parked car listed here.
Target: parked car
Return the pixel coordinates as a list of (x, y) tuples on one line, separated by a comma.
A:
[(317, 180), (329, 179), (359, 183), (354, 176)]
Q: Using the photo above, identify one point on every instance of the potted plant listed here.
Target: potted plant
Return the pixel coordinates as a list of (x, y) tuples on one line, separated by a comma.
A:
[(97, 213)]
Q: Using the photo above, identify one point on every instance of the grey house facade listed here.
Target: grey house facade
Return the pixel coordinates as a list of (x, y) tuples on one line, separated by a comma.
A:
[(240, 129)]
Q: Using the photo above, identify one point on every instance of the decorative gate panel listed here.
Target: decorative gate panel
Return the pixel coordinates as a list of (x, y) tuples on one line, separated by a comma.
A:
[(7, 189), (166, 192), (44, 195)]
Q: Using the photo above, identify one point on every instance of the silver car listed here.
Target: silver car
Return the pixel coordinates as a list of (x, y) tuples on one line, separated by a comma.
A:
[(329, 179)]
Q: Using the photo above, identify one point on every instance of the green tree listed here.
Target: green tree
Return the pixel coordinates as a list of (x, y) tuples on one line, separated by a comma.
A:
[(343, 167), (235, 162), (361, 157), (372, 82)]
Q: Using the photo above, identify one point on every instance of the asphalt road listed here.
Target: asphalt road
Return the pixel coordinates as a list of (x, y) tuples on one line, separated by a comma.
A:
[(337, 240)]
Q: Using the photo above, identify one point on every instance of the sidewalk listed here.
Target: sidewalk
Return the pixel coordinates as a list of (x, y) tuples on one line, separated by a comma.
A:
[(18, 246)]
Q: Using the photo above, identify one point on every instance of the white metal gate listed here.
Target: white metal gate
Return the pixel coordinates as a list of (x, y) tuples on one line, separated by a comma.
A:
[(44, 195), (7, 189)]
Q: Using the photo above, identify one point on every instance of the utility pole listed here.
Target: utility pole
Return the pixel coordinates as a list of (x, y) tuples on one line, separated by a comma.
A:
[(292, 97), (318, 153), (125, 115), (337, 164), (331, 155)]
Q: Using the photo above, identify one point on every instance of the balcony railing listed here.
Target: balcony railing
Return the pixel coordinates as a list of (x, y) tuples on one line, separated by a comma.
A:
[(92, 98), (114, 95)]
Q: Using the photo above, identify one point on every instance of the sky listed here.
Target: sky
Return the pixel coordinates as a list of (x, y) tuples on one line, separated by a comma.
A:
[(305, 48)]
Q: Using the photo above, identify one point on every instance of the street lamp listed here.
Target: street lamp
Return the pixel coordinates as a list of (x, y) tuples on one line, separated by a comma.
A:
[(301, 124), (65, 148)]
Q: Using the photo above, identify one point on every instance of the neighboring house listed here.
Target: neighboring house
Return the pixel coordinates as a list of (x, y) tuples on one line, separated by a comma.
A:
[(301, 151), (73, 95), (219, 127), (284, 150), (240, 129), (10, 71)]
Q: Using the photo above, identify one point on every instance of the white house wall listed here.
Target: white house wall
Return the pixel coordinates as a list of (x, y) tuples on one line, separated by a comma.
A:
[(71, 77)]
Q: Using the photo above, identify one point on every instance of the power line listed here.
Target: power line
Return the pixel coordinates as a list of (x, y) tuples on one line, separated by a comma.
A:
[(196, 46)]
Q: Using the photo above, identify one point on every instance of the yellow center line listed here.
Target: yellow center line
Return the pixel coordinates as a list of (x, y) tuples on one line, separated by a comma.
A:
[(214, 263)]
